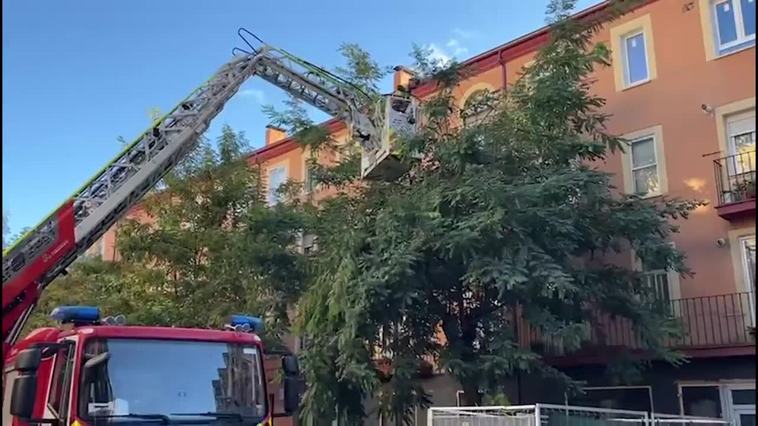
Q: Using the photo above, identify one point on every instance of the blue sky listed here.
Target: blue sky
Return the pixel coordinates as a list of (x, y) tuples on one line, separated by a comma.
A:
[(78, 74)]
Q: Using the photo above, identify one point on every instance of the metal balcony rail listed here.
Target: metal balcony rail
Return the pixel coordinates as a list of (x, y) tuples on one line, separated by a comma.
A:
[(735, 177), (713, 321), (557, 415)]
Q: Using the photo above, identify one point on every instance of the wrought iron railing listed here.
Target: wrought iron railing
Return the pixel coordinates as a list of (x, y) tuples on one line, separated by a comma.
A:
[(735, 177), (706, 322)]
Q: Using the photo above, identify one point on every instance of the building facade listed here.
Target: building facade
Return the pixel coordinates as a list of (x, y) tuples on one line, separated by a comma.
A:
[(681, 89)]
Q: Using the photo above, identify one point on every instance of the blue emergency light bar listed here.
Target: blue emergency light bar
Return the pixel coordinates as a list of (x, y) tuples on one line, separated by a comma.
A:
[(243, 322), (76, 314)]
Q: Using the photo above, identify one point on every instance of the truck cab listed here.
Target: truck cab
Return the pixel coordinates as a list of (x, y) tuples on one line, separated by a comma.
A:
[(96, 372)]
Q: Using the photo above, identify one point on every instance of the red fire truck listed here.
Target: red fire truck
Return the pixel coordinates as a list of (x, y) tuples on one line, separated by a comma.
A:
[(94, 370)]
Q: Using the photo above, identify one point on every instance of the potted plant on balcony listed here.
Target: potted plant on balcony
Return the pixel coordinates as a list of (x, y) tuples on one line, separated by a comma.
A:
[(744, 190)]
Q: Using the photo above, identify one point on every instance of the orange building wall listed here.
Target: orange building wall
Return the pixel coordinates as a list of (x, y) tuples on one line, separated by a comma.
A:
[(684, 81)]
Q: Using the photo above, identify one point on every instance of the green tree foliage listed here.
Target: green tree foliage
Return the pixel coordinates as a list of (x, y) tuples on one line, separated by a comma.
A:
[(362, 74), (115, 287), (504, 217), (214, 248)]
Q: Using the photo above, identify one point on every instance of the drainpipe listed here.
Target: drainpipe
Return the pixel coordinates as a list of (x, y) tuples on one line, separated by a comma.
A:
[(502, 66)]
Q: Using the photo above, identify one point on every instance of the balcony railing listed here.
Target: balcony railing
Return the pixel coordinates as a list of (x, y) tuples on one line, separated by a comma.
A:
[(707, 322), (735, 178)]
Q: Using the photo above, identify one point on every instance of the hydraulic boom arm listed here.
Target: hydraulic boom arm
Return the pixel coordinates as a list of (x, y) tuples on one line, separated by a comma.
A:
[(45, 251)]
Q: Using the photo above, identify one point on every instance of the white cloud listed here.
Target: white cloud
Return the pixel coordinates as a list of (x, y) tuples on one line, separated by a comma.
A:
[(455, 45), (452, 49), (464, 34), (438, 54), (255, 94)]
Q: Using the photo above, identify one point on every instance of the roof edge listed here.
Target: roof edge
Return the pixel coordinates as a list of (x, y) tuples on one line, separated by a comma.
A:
[(520, 46)]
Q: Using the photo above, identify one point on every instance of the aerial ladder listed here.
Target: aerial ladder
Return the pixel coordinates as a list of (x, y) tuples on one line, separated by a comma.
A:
[(45, 252)]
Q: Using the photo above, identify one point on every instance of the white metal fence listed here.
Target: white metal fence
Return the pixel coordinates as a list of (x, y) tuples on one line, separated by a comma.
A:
[(557, 415)]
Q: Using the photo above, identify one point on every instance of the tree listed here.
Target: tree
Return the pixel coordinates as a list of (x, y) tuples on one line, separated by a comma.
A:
[(217, 245), (212, 247), (504, 219)]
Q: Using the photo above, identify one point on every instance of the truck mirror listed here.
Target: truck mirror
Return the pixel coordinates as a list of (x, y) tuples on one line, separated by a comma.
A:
[(292, 392), (22, 396), (290, 365), (28, 360), (92, 363), (97, 360)]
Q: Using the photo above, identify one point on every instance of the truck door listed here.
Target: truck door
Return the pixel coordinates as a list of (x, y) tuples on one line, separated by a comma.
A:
[(10, 376), (58, 400)]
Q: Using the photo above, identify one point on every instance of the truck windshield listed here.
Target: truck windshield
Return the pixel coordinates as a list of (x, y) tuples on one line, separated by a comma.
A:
[(133, 379)]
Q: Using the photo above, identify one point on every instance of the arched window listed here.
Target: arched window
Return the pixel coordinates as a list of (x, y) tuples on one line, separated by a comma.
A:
[(476, 106)]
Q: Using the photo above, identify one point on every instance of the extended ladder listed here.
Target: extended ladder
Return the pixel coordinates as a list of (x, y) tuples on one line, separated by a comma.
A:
[(51, 246)]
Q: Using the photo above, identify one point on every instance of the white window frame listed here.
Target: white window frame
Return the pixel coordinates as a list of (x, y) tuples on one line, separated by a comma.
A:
[(49, 412), (730, 133), (309, 185), (675, 290), (731, 147), (633, 169), (271, 195), (729, 411), (102, 247), (680, 393), (746, 274), (739, 26), (627, 68), (736, 410)]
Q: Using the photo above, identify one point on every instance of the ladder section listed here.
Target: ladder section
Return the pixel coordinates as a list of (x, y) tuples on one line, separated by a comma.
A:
[(320, 89), (43, 253)]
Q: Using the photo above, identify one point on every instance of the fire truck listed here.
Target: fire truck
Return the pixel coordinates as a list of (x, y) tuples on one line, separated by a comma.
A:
[(99, 370)]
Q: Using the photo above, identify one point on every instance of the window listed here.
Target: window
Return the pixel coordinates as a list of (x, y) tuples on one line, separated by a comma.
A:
[(276, 178), (477, 106), (309, 244), (635, 59), (747, 248), (644, 163), (645, 179), (740, 130), (211, 377), (701, 401), (663, 283), (638, 398), (734, 402), (658, 280), (735, 124), (747, 255), (310, 182), (57, 399), (633, 52), (734, 24), (97, 249), (742, 402)]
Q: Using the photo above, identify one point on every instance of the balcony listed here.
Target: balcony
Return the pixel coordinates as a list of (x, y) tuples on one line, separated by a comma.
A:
[(735, 185), (712, 326)]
